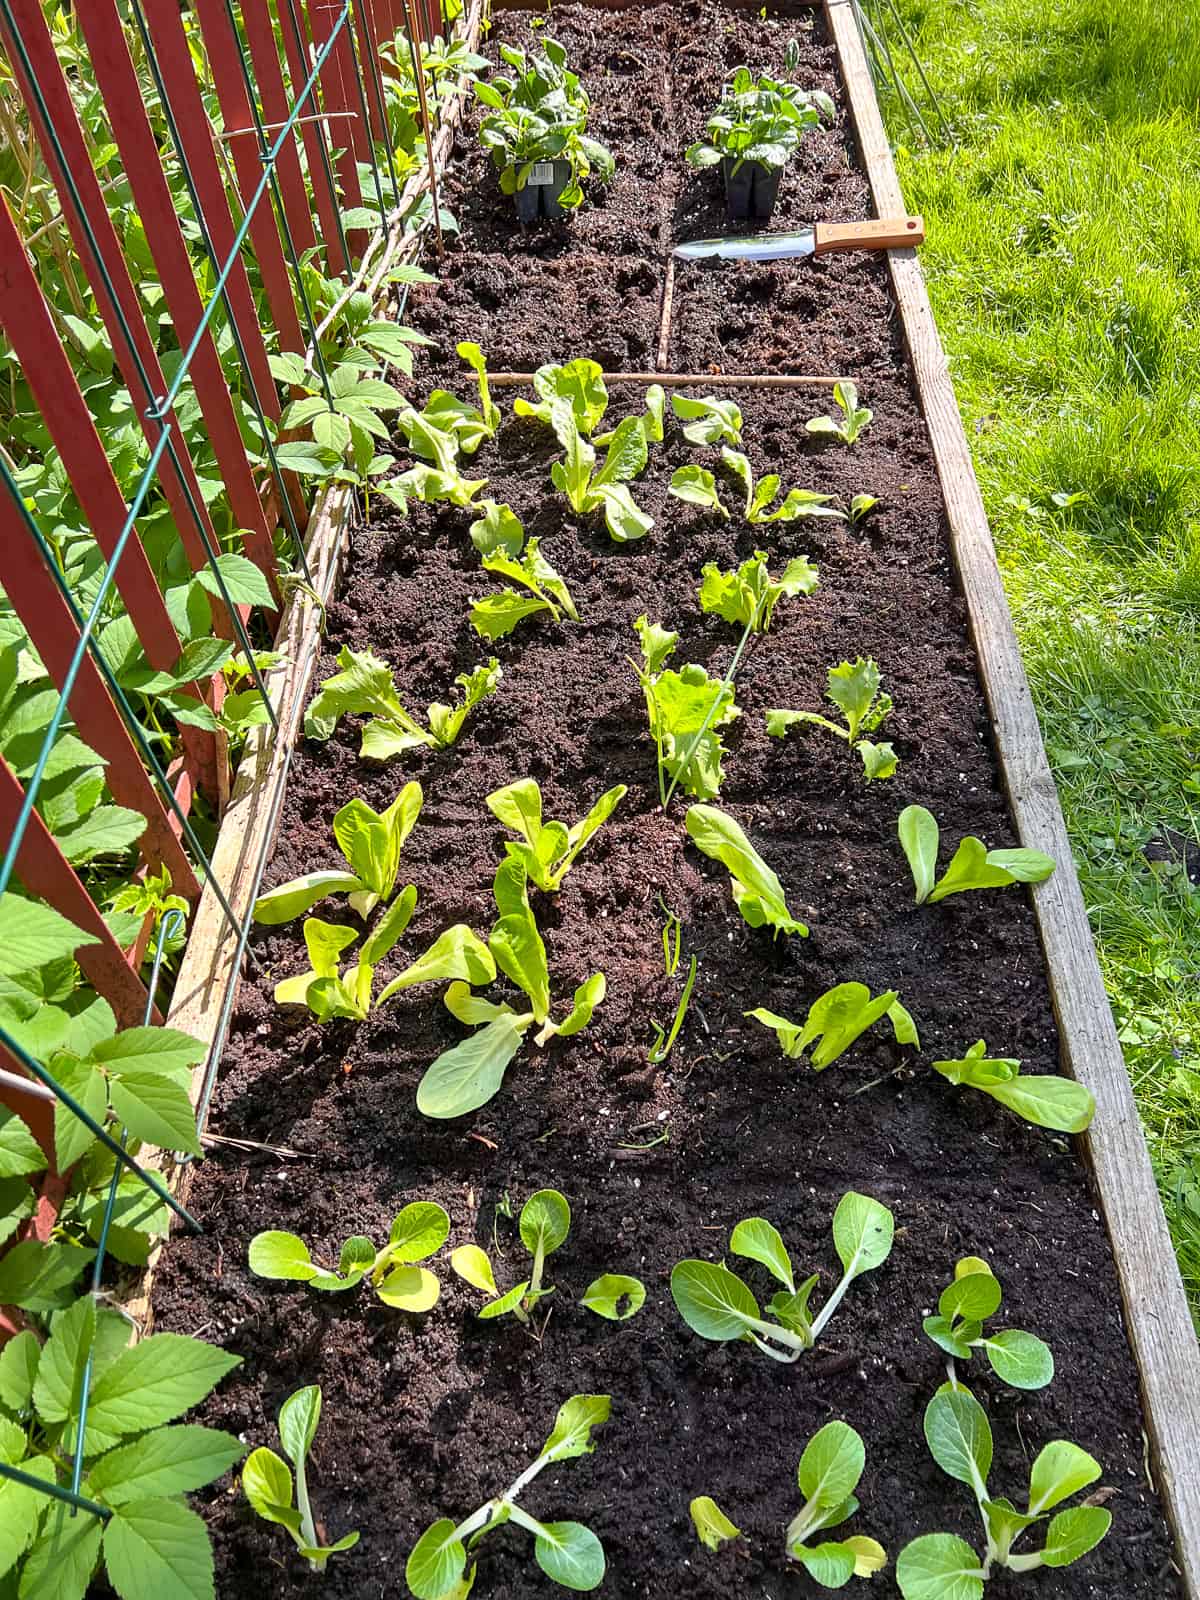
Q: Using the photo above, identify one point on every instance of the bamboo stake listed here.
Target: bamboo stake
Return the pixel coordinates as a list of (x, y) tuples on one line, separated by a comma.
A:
[(699, 380), (426, 124)]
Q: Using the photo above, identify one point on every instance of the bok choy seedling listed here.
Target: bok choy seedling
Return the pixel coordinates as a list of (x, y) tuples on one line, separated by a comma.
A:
[(854, 689), (1017, 1358), (855, 419), (417, 1232), (567, 1552), (1047, 1101), (687, 709), (548, 849), (267, 1480), (837, 1019), (972, 866), (828, 1475), (370, 842), (466, 1076), (941, 1566), (544, 1225), (365, 687), (716, 1304), (757, 892), (748, 594), (713, 1527)]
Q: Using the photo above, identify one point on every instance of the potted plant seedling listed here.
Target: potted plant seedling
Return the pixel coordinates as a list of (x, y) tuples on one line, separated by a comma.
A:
[(754, 131), (536, 131)]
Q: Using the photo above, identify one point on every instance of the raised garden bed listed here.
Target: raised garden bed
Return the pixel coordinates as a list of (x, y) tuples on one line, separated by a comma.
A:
[(429, 1416)]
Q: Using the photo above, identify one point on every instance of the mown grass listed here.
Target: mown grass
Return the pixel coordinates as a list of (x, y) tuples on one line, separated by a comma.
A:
[(1064, 265)]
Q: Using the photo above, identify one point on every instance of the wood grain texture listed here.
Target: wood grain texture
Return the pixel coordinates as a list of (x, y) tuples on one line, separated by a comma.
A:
[(1156, 1309)]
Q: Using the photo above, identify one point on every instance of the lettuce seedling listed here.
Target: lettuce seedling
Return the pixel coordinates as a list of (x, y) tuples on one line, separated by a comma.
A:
[(696, 486), (972, 866), (428, 484), (941, 1566), (861, 505), (267, 1481), (1048, 1101), (580, 383), (329, 993), (588, 489), (544, 1225), (365, 687), (652, 419), (550, 849), (748, 595), (716, 1304), (757, 892), (417, 1232), (567, 1552), (499, 613), (497, 530), (854, 689), (687, 709), (467, 1076), (370, 841), (615, 1296), (837, 1018), (828, 1475), (759, 496), (713, 1527), (466, 425), (855, 418), (708, 421), (1017, 1358)]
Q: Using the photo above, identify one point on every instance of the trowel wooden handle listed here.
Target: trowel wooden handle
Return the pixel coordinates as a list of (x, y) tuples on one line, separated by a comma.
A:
[(882, 233)]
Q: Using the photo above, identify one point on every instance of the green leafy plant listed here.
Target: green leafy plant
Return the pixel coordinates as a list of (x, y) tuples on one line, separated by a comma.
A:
[(467, 1076), (861, 505), (855, 418), (498, 613), (837, 1019), (548, 850), (748, 595), (589, 488), (972, 866), (1017, 1358), (467, 426), (417, 1232), (544, 1225), (757, 892), (497, 530), (686, 709), (652, 419), (941, 1566), (343, 425), (580, 383), (365, 687), (329, 993), (854, 689), (540, 114), (716, 1304), (615, 1296), (664, 1043), (713, 1527), (759, 119), (828, 1475), (708, 421), (697, 486), (371, 843), (1046, 1100), (567, 1552), (267, 1479), (139, 1463)]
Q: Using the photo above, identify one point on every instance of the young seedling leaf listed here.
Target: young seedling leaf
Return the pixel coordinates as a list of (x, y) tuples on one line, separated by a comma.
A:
[(571, 1435), (469, 1074), (713, 1301), (1073, 1533), (713, 1527), (696, 486), (939, 1566), (275, 1254), (919, 837), (1060, 1470), (838, 1017), (437, 1562), (863, 1230), (545, 1222), (757, 892), (497, 530), (457, 953), (473, 1266), (831, 1466), (1059, 1104), (759, 1240), (959, 1438), (615, 1296), (708, 421), (570, 1554), (854, 417)]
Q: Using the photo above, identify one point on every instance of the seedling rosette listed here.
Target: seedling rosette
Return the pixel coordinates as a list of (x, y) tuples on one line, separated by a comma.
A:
[(837, 1018), (973, 865), (417, 1232), (1019, 1359), (268, 1486), (854, 689), (365, 687), (544, 1225)]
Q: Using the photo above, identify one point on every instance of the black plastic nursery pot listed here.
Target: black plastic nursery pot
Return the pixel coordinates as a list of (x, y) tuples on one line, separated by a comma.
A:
[(540, 196), (751, 191)]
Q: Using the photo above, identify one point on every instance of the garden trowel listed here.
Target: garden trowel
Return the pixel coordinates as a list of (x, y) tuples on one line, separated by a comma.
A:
[(882, 233)]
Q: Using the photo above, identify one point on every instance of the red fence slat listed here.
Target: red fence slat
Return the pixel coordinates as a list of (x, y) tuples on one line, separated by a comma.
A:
[(268, 72), (296, 48), (349, 136)]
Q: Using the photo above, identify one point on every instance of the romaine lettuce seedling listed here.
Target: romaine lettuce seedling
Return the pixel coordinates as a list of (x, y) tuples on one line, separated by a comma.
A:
[(828, 1475), (1048, 1101), (567, 1552), (370, 841), (550, 849), (838, 1018), (713, 1527), (328, 992), (1017, 1358), (854, 420), (708, 421), (687, 709), (757, 892), (418, 1232), (499, 613), (590, 489), (941, 1566), (267, 1481), (973, 865), (466, 425), (467, 1076), (365, 687), (716, 1304), (580, 383), (497, 530), (544, 1225), (651, 419), (759, 496), (748, 595), (861, 505), (854, 689)]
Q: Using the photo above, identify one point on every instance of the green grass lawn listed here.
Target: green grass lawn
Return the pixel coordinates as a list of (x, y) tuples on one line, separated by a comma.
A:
[(1064, 266)]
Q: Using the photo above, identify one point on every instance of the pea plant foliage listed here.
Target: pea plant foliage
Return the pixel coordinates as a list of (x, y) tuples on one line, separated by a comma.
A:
[(417, 1232), (441, 1565), (716, 1303), (965, 1305), (941, 1566), (972, 866)]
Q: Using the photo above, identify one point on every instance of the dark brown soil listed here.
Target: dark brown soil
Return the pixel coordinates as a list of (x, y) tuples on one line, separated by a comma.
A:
[(430, 1416)]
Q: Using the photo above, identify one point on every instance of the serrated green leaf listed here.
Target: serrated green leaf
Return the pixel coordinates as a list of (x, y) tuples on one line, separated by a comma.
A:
[(157, 1547), (154, 1382), (170, 1461)]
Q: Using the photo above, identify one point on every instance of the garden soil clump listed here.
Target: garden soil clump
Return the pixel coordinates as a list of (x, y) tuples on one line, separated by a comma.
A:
[(430, 1416)]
